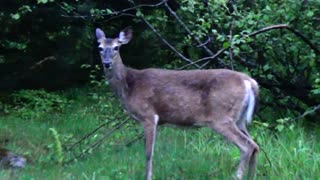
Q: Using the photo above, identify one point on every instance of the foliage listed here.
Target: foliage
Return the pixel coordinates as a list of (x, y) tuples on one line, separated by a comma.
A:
[(59, 51), (94, 76), (284, 64), (34, 103), (316, 90)]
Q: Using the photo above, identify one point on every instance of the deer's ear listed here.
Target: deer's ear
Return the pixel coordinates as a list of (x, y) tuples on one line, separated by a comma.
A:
[(125, 35), (99, 34)]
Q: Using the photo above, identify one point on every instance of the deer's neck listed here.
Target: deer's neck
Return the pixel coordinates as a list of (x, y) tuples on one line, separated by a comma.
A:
[(117, 78)]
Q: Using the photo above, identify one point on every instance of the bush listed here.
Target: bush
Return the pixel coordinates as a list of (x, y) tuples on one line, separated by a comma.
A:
[(33, 103)]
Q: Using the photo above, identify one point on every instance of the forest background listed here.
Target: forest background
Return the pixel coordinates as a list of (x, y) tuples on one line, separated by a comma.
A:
[(52, 83)]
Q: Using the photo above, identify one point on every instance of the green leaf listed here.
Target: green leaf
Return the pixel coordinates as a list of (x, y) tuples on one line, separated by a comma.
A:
[(280, 128), (42, 1), (15, 16), (266, 67), (109, 11), (268, 8), (270, 76), (226, 45), (139, 13), (310, 14)]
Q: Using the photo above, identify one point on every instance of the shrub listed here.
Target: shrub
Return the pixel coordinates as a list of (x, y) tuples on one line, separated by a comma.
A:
[(33, 103)]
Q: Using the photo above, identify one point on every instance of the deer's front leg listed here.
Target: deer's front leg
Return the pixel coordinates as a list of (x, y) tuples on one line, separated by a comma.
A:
[(150, 130)]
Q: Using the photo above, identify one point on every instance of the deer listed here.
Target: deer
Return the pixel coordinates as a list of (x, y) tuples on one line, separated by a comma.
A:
[(221, 99)]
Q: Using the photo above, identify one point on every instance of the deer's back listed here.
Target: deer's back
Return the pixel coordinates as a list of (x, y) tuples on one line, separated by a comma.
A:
[(181, 97)]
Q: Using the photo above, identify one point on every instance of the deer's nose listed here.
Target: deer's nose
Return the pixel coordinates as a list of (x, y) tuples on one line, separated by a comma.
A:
[(107, 65)]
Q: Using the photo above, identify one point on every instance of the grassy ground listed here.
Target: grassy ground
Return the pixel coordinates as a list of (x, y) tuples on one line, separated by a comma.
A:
[(179, 153)]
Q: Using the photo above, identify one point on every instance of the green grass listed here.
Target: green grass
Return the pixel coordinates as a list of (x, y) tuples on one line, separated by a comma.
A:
[(179, 153)]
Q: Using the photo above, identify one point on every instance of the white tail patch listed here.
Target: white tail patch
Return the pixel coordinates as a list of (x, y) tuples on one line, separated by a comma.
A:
[(156, 119), (250, 100)]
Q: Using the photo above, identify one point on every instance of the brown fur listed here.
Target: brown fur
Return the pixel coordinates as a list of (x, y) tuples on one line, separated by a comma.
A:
[(181, 97)]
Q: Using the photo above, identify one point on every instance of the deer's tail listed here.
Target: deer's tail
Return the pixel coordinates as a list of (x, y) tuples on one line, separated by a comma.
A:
[(251, 100)]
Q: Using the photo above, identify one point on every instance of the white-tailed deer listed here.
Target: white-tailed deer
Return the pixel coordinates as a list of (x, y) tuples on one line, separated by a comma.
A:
[(221, 99)]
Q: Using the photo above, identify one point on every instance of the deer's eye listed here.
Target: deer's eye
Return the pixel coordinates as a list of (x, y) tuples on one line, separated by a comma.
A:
[(116, 48), (100, 49)]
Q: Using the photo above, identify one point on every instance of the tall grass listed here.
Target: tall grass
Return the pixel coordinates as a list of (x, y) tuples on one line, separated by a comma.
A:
[(179, 153)]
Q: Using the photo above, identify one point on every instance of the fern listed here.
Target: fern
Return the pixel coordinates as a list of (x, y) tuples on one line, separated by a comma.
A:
[(57, 146)]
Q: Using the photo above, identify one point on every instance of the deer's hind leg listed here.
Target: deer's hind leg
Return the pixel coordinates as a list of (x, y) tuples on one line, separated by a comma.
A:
[(241, 124), (229, 130)]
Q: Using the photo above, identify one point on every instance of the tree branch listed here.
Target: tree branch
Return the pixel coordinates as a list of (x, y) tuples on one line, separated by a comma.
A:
[(295, 32), (167, 43), (93, 132), (220, 63), (230, 42), (118, 16), (99, 141), (205, 43), (301, 36), (115, 12), (278, 26), (312, 110), (204, 59)]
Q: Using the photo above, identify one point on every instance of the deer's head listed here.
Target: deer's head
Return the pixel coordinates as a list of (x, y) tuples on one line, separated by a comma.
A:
[(109, 47)]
